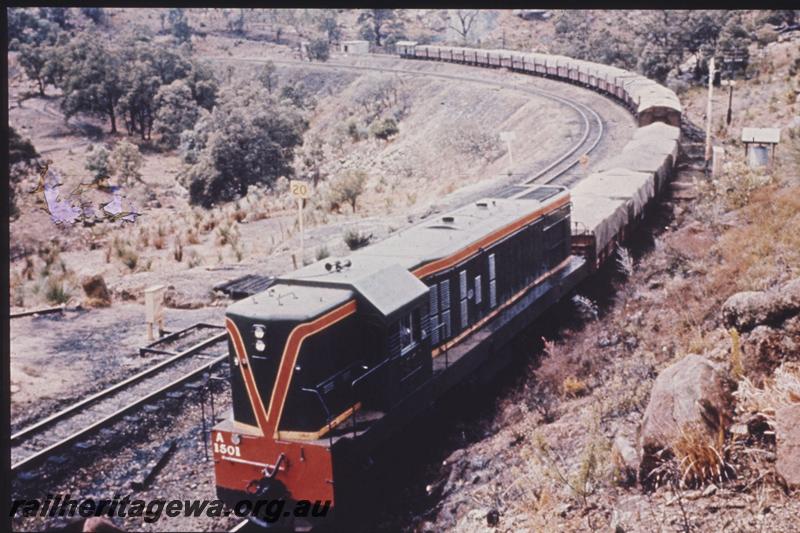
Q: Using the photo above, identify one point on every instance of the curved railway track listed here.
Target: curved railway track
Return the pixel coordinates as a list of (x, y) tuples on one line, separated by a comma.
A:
[(79, 422), (556, 172)]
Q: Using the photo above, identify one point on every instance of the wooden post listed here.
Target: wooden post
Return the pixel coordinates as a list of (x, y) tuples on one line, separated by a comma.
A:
[(711, 73), (718, 158), (302, 234), (154, 309)]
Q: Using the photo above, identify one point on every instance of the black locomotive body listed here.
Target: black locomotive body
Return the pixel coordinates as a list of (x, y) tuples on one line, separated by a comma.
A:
[(335, 357)]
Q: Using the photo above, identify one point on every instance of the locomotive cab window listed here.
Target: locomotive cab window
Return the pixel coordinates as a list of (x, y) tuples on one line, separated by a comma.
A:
[(408, 334)]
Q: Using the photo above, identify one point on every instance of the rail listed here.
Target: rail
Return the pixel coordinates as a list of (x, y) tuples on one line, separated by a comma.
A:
[(64, 413), (40, 455)]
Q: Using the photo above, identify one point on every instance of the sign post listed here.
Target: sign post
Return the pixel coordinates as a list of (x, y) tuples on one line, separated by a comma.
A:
[(154, 310), (507, 137), (299, 190)]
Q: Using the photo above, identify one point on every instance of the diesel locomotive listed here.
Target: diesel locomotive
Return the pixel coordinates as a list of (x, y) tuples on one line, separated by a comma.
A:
[(332, 359)]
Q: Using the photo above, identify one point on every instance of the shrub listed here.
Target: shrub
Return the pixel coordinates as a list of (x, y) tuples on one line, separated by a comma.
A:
[(192, 236), (354, 239), (766, 35), (98, 163), (701, 461), (194, 260), (127, 160), (177, 252), (348, 188), (322, 253), (573, 387), (130, 258), (319, 50), (249, 139), (356, 134), (177, 112), (383, 129), (56, 291)]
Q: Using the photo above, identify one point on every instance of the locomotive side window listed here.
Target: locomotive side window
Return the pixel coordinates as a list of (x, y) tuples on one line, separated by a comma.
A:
[(478, 291), (407, 334)]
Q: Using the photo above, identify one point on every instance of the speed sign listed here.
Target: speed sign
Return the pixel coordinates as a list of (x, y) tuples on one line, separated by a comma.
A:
[(299, 189)]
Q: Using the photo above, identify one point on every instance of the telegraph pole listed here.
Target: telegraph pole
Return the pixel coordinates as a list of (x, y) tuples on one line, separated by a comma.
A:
[(711, 72)]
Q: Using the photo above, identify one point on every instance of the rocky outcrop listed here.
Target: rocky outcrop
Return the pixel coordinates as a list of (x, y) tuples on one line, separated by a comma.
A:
[(745, 310), (97, 293), (692, 394), (787, 436)]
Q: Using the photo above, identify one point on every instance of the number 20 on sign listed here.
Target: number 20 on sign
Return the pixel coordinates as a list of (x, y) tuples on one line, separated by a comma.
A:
[(299, 189)]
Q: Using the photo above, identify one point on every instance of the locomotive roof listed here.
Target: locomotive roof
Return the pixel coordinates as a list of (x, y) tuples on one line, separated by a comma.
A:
[(380, 273), (290, 302), (427, 241)]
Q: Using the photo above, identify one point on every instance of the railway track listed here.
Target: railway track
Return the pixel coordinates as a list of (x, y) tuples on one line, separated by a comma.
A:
[(77, 423), (557, 172)]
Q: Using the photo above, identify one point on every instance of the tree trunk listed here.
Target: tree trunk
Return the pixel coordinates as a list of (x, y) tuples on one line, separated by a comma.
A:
[(113, 118), (41, 86)]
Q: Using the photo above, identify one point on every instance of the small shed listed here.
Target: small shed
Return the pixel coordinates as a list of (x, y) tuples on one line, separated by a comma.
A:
[(761, 140), (354, 47)]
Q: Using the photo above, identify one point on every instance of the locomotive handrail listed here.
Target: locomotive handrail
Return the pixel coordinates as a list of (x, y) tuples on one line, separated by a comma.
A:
[(325, 407)]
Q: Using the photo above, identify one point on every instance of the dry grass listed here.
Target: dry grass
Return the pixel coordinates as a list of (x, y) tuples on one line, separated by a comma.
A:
[(194, 259), (781, 390), (573, 387), (770, 225), (701, 461), (192, 237)]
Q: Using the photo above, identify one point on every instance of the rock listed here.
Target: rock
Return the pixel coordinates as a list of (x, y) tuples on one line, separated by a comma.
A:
[(492, 518), (177, 300), (99, 524), (787, 436), (791, 296), (764, 350), (710, 490), (739, 430), (97, 293), (691, 394), (745, 310), (626, 460)]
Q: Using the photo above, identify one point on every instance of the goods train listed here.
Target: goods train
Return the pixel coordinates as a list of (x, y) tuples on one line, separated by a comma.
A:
[(334, 358)]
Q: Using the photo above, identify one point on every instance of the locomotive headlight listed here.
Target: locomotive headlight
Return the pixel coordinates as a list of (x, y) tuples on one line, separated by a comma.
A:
[(236, 439), (260, 346), (259, 331)]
